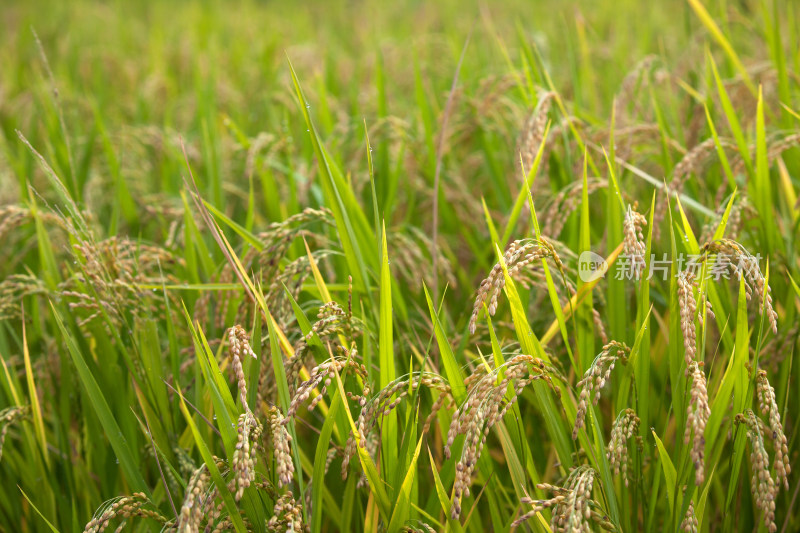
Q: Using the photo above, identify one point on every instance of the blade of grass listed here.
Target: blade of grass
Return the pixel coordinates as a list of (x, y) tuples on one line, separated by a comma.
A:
[(708, 21), (531, 345), (320, 458), (340, 199), (221, 398), (731, 115), (50, 526), (762, 187), (583, 314), (403, 504), (219, 481), (670, 474), (525, 190), (375, 482), (642, 366), (38, 422), (128, 462), (386, 357), (451, 367), (448, 110)]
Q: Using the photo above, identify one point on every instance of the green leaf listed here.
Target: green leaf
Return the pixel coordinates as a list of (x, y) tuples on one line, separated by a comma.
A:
[(719, 36), (340, 199), (762, 188), (36, 410), (386, 352), (723, 222), (734, 381), (530, 345), (741, 396), (675, 346), (616, 299), (403, 504), (216, 386), (723, 157), (627, 375), (444, 500), (108, 419), (489, 223), (451, 368), (240, 230), (525, 190), (320, 460), (642, 364), (47, 260), (670, 475), (219, 481), (375, 482), (46, 521), (700, 508), (583, 313), (732, 116), (375, 210)]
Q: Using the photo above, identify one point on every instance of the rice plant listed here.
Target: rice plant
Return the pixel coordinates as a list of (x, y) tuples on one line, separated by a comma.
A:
[(411, 267)]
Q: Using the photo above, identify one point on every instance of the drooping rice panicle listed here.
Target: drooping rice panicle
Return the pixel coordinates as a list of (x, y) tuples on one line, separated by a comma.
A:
[(689, 163), (248, 433), (595, 378), (387, 399), (563, 204), (763, 486), (287, 515), (191, 511), (281, 443), (485, 405), (519, 256), (636, 77), (697, 417), (733, 256), (239, 347), (9, 416), (689, 523), (626, 426), (687, 305), (634, 241), (323, 374), (769, 406), (532, 134), (122, 507), (572, 507), (774, 148)]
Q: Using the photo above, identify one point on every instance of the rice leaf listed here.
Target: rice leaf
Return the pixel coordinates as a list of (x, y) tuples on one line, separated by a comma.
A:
[(108, 420), (719, 37), (670, 475), (386, 355), (219, 481), (403, 503), (451, 367), (339, 198), (38, 421), (377, 490), (320, 459), (525, 191), (38, 512)]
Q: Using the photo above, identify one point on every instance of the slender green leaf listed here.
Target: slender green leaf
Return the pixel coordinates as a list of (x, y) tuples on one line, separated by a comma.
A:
[(108, 419)]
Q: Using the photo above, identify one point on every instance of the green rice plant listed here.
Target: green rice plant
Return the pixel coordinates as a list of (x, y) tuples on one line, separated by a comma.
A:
[(449, 267)]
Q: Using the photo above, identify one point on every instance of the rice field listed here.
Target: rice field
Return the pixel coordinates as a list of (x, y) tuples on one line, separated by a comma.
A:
[(420, 266)]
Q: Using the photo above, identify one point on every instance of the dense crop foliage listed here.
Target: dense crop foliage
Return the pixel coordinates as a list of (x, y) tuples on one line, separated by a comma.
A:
[(433, 266)]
